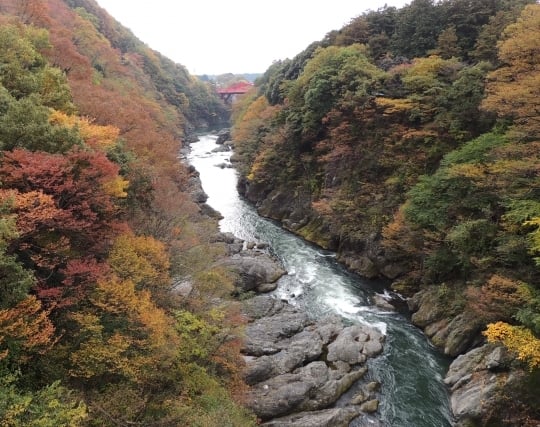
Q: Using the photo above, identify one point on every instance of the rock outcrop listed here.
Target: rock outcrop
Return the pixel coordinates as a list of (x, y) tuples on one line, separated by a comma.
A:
[(453, 335), (301, 367), (223, 136), (254, 270), (334, 417), (481, 381)]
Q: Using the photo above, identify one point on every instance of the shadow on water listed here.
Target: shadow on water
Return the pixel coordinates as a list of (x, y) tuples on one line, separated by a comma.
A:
[(410, 369)]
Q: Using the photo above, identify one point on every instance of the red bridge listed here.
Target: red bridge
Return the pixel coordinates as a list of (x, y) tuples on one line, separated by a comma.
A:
[(228, 94)]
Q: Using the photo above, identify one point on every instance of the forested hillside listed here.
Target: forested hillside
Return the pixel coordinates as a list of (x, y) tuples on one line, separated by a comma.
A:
[(409, 142), (96, 221)]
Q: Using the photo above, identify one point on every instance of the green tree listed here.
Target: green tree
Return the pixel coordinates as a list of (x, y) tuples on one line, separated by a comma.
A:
[(51, 406), (417, 27), (447, 44), (26, 124)]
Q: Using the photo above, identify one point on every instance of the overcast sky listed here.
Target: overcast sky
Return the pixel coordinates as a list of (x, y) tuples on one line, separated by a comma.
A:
[(236, 36)]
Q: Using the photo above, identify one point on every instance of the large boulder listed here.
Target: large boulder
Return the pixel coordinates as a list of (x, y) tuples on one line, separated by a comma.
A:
[(223, 136), (294, 352), (297, 365), (265, 336), (355, 344), (427, 308), (253, 269), (311, 387), (477, 380), (453, 335)]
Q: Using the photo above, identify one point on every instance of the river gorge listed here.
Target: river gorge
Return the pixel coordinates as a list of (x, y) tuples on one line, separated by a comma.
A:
[(410, 370)]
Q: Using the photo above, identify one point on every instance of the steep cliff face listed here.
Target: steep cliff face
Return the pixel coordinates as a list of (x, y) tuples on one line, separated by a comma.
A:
[(413, 169)]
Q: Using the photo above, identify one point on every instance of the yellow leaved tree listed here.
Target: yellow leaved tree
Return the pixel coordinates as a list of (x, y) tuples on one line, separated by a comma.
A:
[(514, 89), (517, 339)]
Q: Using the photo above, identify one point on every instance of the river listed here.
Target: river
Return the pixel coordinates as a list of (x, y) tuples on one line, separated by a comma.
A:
[(410, 369)]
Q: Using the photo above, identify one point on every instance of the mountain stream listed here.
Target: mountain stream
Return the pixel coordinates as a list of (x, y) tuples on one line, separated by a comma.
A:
[(410, 369)]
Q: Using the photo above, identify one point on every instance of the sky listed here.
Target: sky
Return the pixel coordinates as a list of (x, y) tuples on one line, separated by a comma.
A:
[(235, 36)]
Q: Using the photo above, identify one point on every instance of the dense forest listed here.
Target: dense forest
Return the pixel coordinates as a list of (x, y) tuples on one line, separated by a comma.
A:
[(409, 141), (96, 222)]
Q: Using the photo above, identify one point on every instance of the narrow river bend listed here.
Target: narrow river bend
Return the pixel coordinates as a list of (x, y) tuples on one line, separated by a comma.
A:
[(410, 370)]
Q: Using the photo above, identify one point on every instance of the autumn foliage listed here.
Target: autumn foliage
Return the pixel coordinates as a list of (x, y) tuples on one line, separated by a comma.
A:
[(408, 142), (93, 208)]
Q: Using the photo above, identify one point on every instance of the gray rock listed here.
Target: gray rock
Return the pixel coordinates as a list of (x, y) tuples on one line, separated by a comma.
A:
[(465, 364), (359, 398), (312, 387), (223, 136), (354, 344), (370, 406), (334, 417), (470, 399), (436, 328), (392, 270), (497, 359), (382, 303), (461, 332), (222, 149), (262, 337), (428, 310), (235, 248), (262, 306), (331, 391), (303, 347), (283, 349), (253, 270), (373, 386), (266, 287), (477, 390), (182, 287), (199, 196), (195, 189), (360, 264), (228, 238)]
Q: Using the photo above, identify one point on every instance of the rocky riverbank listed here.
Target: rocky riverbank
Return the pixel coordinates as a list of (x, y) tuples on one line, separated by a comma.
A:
[(285, 381), (297, 367), (479, 383)]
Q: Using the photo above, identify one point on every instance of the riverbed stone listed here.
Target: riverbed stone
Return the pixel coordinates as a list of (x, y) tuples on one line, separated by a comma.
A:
[(373, 386), (262, 306), (370, 406), (221, 149), (355, 344), (288, 363), (359, 398), (382, 303), (311, 387), (223, 136), (334, 417), (253, 269), (303, 347), (262, 337)]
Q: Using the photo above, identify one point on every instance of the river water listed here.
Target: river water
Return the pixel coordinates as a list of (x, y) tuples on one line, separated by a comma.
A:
[(410, 370)]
